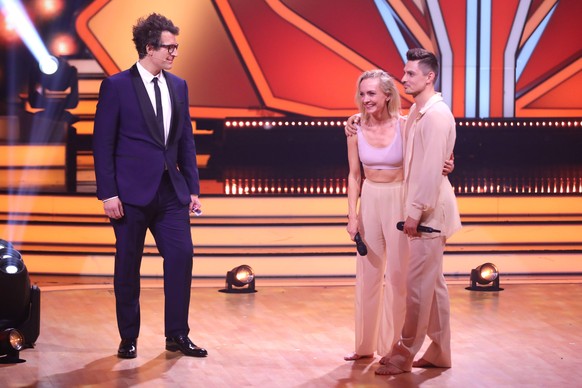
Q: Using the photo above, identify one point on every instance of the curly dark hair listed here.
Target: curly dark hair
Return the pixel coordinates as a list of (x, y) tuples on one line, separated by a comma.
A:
[(427, 60), (149, 30)]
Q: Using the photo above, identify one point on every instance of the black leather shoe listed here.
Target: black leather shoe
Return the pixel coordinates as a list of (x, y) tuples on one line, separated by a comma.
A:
[(183, 344), (127, 348)]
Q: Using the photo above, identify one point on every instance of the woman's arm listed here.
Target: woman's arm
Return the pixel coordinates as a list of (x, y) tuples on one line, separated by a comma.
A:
[(354, 182)]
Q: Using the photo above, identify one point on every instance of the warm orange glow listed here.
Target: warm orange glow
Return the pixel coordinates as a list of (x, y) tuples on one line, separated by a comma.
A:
[(63, 44), (48, 9), (7, 32)]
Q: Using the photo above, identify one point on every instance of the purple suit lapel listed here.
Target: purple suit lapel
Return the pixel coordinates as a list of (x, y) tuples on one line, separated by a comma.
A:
[(145, 104), (175, 110)]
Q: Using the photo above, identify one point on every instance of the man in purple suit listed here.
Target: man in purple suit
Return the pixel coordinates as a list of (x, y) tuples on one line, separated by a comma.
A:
[(147, 178)]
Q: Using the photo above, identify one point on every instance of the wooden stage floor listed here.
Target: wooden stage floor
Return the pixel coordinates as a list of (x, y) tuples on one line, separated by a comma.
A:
[(294, 333)]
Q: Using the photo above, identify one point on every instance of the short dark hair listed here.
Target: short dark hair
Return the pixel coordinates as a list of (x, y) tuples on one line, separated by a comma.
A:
[(149, 31), (427, 60)]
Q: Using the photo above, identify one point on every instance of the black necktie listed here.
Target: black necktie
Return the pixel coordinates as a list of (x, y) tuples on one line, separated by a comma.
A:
[(159, 110)]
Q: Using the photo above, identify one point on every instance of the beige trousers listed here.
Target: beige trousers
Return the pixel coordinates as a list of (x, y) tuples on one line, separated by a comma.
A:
[(380, 299), (427, 307)]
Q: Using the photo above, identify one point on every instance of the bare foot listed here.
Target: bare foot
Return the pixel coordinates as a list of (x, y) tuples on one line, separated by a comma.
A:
[(422, 363), (389, 369), (384, 360), (355, 356)]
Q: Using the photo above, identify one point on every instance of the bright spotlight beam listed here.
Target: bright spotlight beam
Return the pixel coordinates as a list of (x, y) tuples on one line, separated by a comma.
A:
[(17, 19)]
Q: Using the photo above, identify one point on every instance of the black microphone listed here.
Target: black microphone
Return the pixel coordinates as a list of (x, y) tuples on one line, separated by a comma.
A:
[(360, 246), (420, 228)]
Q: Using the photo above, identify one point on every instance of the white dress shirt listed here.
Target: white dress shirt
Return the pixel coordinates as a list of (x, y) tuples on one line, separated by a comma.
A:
[(147, 78)]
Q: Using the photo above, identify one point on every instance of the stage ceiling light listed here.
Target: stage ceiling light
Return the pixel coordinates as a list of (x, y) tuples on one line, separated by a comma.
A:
[(240, 280), (485, 278), (19, 301), (11, 342)]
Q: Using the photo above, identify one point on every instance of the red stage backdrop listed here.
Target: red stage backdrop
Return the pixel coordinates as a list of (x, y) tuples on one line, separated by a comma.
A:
[(244, 58)]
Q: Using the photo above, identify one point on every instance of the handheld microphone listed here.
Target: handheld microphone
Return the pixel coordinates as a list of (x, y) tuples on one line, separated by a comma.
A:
[(360, 246), (420, 228)]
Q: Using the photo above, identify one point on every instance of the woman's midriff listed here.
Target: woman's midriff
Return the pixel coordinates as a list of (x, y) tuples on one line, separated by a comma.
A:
[(384, 176)]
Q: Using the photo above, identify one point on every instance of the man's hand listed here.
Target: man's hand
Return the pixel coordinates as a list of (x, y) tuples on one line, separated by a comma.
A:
[(410, 226), (194, 203), (449, 165), (350, 128), (113, 208)]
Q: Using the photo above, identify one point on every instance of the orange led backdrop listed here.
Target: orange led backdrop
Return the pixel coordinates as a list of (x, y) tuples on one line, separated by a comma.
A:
[(511, 58)]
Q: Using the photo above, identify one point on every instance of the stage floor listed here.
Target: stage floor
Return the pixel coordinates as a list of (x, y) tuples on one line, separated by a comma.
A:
[(294, 333)]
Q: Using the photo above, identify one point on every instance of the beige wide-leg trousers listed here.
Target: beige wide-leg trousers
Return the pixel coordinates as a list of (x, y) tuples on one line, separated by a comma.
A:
[(380, 299), (427, 308)]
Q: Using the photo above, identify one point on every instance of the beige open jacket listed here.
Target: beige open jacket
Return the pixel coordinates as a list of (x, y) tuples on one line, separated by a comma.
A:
[(429, 140)]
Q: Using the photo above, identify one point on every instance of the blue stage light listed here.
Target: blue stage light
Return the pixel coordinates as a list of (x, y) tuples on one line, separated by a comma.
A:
[(18, 19)]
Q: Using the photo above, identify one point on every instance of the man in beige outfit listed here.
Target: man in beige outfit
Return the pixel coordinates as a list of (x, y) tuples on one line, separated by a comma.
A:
[(430, 201)]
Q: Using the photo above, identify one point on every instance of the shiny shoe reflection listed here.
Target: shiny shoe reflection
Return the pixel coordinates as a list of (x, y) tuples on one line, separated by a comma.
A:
[(127, 348), (183, 344)]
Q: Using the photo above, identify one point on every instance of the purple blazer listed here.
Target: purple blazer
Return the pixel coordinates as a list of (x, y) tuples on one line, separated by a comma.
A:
[(129, 152)]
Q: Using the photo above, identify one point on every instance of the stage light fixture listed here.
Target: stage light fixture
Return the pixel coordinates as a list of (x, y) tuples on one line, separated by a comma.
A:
[(54, 83), (485, 278), (11, 342), (5, 244), (19, 301), (48, 65), (53, 88), (240, 280)]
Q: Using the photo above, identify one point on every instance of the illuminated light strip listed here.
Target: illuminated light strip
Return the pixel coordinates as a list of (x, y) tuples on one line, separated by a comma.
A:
[(471, 60), (550, 185), (568, 123), (528, 48), (389, 18), (266, 123), (512, 47), (485, 59), (445, 50), (243, 122), (338, 186), (17, 18), (285, 186)]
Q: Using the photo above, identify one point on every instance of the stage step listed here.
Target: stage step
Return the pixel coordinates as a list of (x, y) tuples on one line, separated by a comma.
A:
[(292, 236)]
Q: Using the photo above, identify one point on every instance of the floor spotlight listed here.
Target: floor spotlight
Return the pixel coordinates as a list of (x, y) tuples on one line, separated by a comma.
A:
[(5, 244), (485, 278), (240, 280), (19, 301), (11, 342)]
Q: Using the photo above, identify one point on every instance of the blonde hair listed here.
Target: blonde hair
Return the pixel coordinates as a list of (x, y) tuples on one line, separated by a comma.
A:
[(387, 86)]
